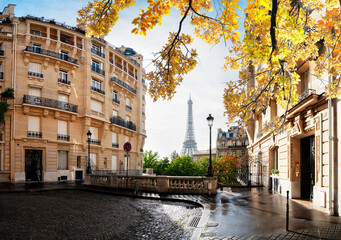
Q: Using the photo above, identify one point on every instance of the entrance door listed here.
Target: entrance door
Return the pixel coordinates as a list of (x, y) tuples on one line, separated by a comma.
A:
[(307, 167), (33, 164)]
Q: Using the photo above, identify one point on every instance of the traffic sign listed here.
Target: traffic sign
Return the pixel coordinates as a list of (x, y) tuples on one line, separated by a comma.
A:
[(127, 147)]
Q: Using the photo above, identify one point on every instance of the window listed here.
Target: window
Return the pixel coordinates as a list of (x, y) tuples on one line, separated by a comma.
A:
[(96, 84), (243, 152), (36, 47), (63, 75), (127, 118), (126, 139), (127, 101), (33, 124), (34, 92), (62, 127), (63, 98), (113, 162), (275, 158), (115, 96), (64, 55), (79, 161), (96, 105), (96, 65), (34, 69), (93, 160), (114, 138), (62, 160), (114, 113), (97, 48), (94, 132)]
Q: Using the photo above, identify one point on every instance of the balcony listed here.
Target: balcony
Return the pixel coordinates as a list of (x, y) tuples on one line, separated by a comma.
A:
[(46, 102), (36, 75), (111, 61), (97, 90), (119, 121), (306, 94), (54, 37), (79, 45), (306, 98), (63, 137), (97, 70), (38, 33), (33, 134), (98, 53), (115, 100), (51, 54), (129, 107), (115, 145), (2, 53), (123, 84), (118, 65), (64, 81), (1, 76), (94, 141), (67, 41)]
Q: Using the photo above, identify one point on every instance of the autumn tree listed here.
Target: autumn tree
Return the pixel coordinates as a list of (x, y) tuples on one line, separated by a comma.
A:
[(280, 37)]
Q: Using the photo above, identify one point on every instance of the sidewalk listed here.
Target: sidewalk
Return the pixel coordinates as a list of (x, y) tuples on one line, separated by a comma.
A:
[(231, 214)]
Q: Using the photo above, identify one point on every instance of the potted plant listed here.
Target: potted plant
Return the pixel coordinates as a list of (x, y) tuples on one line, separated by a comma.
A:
[(274, 171)]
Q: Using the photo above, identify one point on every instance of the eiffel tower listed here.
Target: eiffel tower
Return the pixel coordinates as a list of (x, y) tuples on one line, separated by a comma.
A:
[(189, 144)]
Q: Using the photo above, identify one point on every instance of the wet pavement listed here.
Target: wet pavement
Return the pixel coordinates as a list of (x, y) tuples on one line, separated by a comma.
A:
[(257, 213), (102, 213)]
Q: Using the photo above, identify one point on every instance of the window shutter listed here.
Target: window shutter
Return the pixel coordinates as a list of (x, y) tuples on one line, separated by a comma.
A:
[(114, 137), (63, 98), (35, 67), (96, 105), (34, 92), (62, 127), (33, 124)]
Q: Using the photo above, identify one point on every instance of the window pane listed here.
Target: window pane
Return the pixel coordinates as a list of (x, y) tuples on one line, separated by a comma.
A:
[(94, 132), (33, 124), (62, 160), (113, 162), (34, 92), (62, 127), (63, 98), (114, 137)]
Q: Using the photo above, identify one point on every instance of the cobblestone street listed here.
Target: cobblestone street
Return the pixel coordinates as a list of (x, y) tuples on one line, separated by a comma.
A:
[(72, 214)]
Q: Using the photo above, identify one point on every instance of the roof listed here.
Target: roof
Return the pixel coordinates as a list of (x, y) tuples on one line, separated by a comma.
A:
[(234, 132)]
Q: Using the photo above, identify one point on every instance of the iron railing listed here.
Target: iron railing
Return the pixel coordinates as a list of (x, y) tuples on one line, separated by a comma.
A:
[(38, 33), (79, 45), (115, 145), (47, 102), (97, 70), (129, 58), (98, 53), (98, 90), (119, 172), (33, 134), (51, 54), (118, 65), (64, 81), (63, 137), (34, 74), (306, 94), (123, 84), (129, 107), (119, 121), (115, 100), (94, 141), (65, 40)]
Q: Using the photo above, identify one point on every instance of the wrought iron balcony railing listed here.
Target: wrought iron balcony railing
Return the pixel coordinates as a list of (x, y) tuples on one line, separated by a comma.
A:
[(51, 54), (123, 84), (46, 102), (98, 90), (33, 134), (119, 121), (1, 75), (111, 61), (306, 94), (97, 70), (2, 52), (129, 107), (115, 145), (98, 53), (65, 40), (38, 33), (64, 81), (63, 137), (116, 101), (34, 74), (118, 65), (79, 45), (94, 141)]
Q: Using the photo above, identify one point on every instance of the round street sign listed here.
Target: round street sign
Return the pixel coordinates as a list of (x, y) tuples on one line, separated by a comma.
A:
[(127, 147)]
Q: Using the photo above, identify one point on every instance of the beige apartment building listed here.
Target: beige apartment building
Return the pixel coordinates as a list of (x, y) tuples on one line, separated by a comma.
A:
[(65, 85), (232, 142), (307, 155)]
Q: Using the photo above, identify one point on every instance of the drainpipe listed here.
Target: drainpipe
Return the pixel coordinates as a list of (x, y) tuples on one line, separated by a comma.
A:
[(331, 162), (12, 122)]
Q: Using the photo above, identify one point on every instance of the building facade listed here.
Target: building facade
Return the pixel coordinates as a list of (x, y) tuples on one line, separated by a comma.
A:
[(198, 154), (65, 85), (232, 142), (306, 152)]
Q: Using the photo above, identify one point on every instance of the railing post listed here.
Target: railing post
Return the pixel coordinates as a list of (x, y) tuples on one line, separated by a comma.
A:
[(287, 214)]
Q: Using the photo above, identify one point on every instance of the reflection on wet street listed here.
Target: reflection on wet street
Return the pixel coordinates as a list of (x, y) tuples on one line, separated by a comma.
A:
[(256, 211)]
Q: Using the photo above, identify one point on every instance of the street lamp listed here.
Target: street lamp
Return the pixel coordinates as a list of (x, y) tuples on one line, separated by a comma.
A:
[(88, 169), (210, 124)]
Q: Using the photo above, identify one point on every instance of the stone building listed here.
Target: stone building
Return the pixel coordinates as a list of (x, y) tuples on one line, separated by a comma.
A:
[(306, 155), (198, 154), (232, 142), (65, 85)]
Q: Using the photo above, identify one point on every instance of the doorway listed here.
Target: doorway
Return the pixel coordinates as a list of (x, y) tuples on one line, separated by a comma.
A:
[(33, 165), (307, 167)]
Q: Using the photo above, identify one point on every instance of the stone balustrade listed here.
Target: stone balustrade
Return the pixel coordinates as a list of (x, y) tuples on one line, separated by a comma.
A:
[(158, 184)]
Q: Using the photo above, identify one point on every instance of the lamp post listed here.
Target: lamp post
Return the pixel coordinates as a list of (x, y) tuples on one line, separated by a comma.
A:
[(88, 169), (210, 124)]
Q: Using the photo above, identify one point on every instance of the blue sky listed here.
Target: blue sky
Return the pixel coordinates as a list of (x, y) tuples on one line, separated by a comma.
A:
[(166, 120)]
